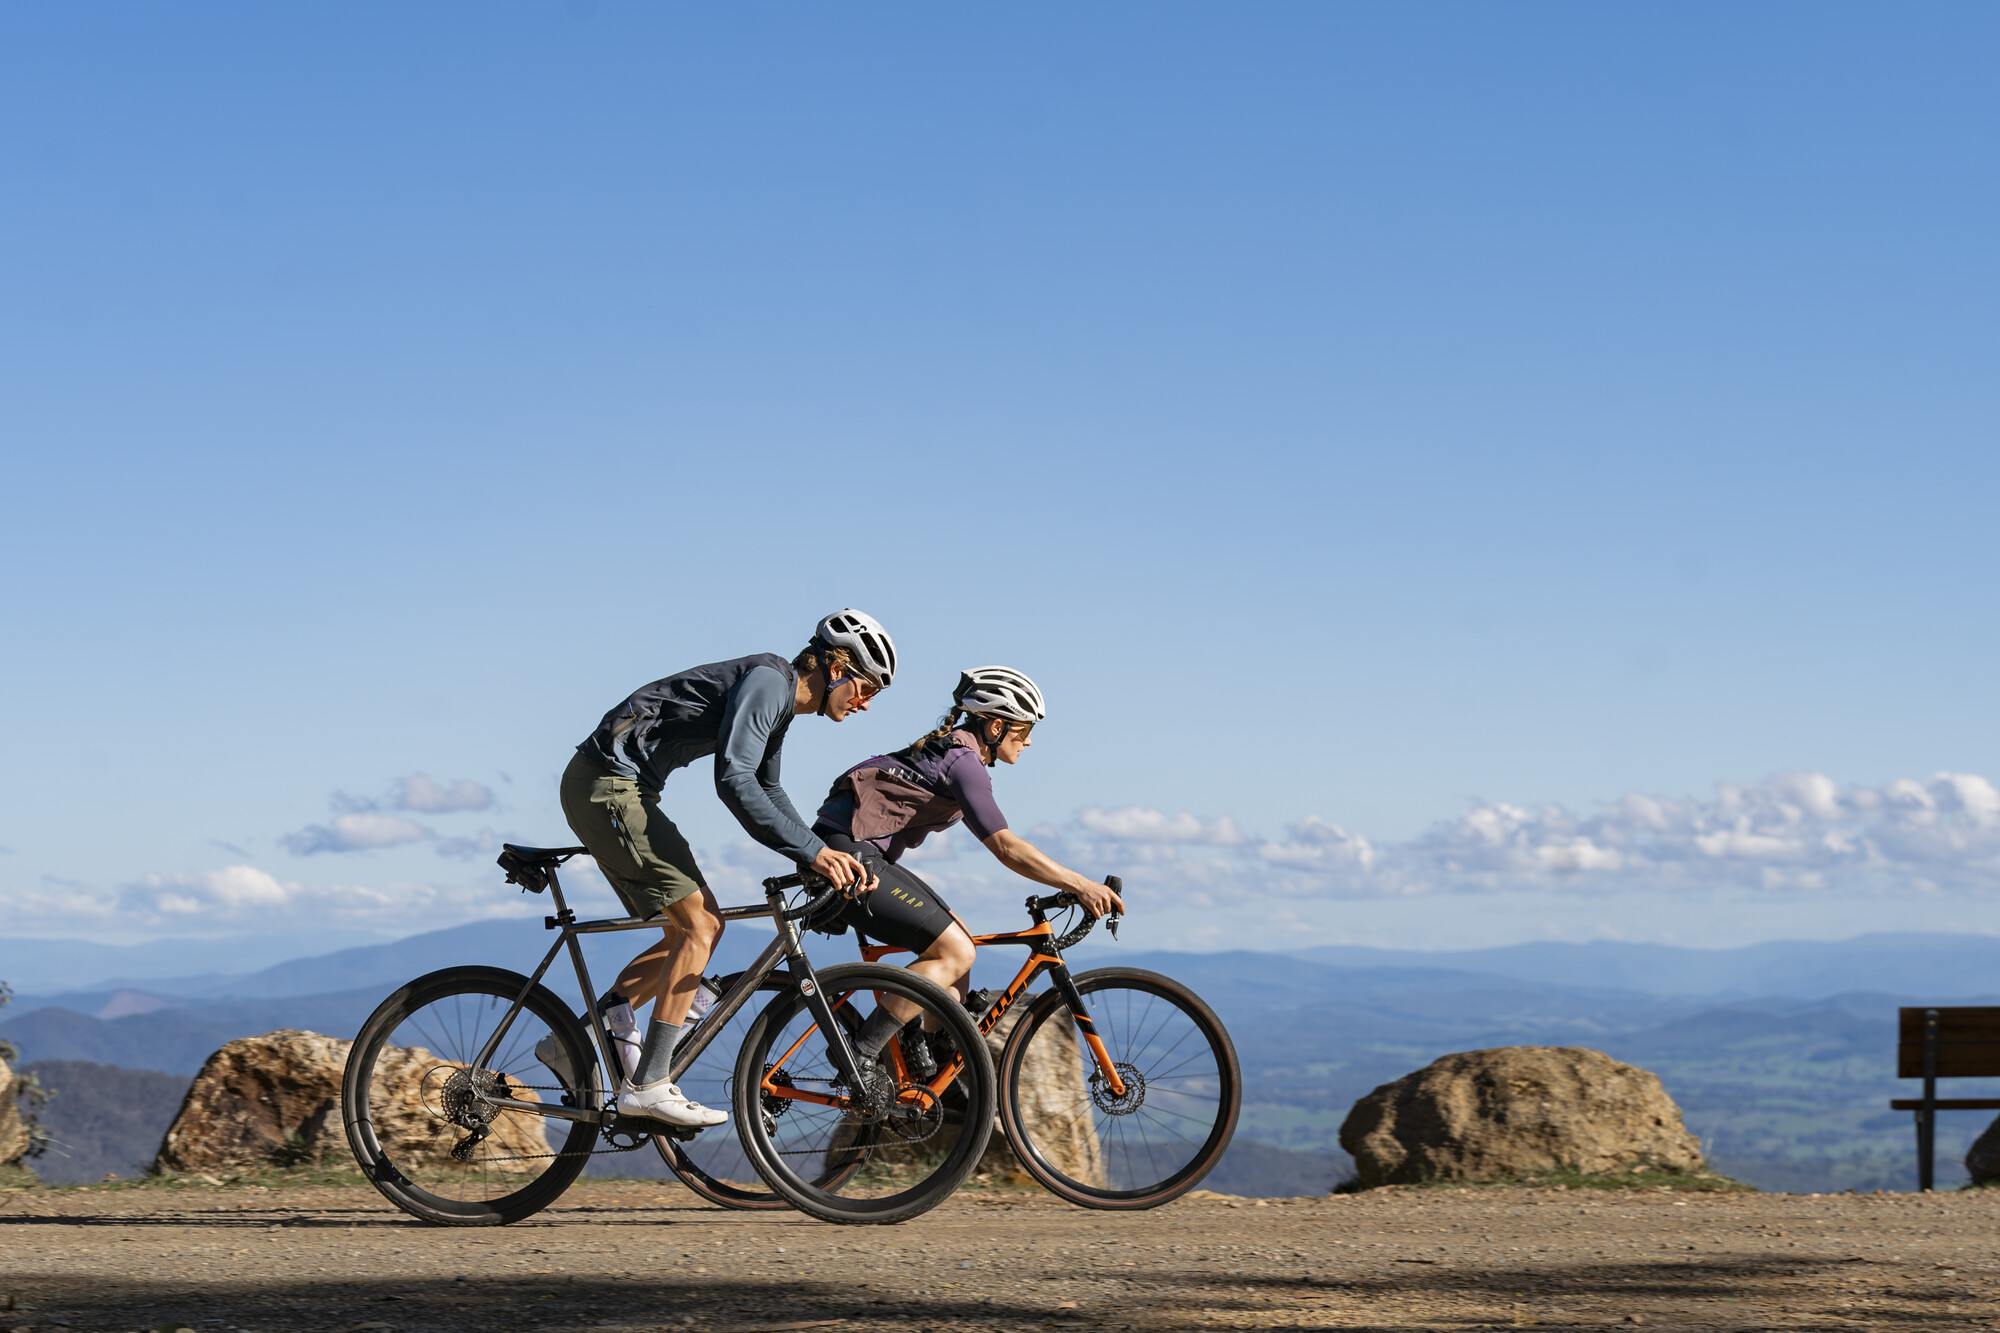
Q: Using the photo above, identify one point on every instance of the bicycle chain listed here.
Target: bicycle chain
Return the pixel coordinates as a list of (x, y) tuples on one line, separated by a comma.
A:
[(637, 1144)]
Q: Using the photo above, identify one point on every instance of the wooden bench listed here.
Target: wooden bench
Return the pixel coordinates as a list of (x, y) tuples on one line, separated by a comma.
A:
[(1944, 1043)]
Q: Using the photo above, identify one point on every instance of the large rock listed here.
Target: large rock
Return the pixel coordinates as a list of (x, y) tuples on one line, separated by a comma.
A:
[(14, 1139), (1515, 1112), (274, 1100), (1982, 1159)]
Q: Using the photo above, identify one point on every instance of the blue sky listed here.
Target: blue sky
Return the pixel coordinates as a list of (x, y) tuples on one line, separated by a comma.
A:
[(1366, 418)]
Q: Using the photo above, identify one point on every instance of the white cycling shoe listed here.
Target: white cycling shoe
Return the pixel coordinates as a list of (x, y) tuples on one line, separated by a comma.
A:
[(664, 1102)]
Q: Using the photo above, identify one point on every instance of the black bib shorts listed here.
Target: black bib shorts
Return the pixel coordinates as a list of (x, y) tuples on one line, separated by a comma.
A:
[(902, 910)]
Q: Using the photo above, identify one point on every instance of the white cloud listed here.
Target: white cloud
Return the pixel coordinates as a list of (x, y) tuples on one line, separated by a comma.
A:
[(230, 887), (479, 844), (1134, 823), (359, 825), (354, 833), (1314, 844), (417, 792), (246, 898), (1798, 833)]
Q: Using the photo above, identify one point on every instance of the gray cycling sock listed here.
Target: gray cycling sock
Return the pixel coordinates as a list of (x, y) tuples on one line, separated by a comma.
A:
[(656, 1057), (875, 1033)]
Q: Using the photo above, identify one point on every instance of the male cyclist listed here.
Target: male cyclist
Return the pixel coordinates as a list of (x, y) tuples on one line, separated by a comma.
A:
[(738, 711)]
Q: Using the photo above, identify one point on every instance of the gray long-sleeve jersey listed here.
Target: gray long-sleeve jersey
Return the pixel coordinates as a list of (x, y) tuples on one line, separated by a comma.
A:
[(737, 711)]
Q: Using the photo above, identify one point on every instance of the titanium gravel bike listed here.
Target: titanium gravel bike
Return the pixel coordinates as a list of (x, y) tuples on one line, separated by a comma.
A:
[(453, 1119)]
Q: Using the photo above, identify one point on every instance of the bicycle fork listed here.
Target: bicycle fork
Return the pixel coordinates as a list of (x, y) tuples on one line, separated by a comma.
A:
[(1087, 1025)]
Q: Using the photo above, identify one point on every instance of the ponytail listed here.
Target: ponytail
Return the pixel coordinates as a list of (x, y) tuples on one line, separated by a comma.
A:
[(946, 723)]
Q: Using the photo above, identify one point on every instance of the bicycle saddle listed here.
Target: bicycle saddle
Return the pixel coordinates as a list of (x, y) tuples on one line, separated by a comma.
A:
[(543, 856), (530, 866)]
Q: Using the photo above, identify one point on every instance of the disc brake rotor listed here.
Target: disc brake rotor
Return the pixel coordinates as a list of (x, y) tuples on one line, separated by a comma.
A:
[(1109, 1102)]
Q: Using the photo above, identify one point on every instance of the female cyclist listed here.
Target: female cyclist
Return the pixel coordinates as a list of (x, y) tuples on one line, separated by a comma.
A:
[(884, 806)]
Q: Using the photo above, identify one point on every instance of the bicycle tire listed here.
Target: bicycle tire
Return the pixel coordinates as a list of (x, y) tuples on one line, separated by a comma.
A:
[(454, 1010), (1184, 1062), (722, 1192), (857, 1141)]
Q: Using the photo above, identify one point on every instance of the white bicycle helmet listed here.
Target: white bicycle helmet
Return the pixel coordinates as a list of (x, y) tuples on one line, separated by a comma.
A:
[(997, 691), (873, 651)]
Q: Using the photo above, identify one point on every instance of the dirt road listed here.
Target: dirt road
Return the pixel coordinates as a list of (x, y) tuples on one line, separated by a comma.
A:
[(650, 1256)]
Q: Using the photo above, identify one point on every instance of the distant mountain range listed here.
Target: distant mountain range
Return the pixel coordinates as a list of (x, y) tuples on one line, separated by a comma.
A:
[(1780, 1055), (1937, 966)]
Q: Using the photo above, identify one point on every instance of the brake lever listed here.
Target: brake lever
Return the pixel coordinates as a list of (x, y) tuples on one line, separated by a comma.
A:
[(1111, 924)]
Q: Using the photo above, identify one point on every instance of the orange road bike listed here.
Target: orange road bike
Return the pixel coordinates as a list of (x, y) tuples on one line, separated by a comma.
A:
[(1118, 1087), (454, 1117)]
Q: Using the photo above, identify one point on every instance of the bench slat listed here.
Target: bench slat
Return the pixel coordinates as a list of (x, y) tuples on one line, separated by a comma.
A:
[(1968, 1041), (1947, 1104)]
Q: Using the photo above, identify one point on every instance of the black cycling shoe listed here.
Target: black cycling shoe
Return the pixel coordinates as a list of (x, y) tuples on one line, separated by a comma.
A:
[(917, 1053), (978, 1002), (941, 1049)]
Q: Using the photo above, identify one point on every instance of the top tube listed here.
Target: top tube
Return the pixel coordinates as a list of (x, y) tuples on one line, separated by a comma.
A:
[(773, 886)]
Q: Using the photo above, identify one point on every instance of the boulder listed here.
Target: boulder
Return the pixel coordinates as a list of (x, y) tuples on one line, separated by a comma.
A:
[(1055, 1101), (14, 1138), (1516, 1112), (1982, 1159), (274, 1100)]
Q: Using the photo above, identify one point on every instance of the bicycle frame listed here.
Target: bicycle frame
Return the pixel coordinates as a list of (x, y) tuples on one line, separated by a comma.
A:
[(788, 947), (1042, 957)]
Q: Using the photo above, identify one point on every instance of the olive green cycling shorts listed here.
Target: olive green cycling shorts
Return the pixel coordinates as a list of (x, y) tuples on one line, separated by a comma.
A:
[(637, 847)]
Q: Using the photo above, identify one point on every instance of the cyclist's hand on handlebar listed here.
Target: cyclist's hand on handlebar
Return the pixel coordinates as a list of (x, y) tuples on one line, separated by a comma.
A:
[(846, 873), (1097, 899)]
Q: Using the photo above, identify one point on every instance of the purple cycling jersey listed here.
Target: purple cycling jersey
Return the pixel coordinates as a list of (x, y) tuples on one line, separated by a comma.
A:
[(895, 803)]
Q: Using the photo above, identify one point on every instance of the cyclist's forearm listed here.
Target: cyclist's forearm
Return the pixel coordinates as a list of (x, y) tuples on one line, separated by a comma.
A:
[(1031, 862)]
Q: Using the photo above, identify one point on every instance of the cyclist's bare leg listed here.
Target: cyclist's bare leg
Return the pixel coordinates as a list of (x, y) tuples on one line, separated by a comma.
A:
[(698, 929), (673, 967), (641, 980), (948, 962)]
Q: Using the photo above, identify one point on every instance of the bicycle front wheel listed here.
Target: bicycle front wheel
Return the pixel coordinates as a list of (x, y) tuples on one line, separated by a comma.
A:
[(1157, 1139), (883, 1153), (420, 1110)]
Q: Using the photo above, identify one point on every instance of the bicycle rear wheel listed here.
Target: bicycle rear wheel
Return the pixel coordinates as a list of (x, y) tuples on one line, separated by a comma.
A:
[(1183, 1091), (420, 1118), (844, 1156), (714, 1164)]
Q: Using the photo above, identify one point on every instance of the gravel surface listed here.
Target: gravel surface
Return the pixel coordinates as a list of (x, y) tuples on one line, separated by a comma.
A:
[(650, 1256)]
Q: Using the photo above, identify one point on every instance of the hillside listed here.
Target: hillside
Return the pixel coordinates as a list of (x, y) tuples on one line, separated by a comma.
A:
[(103, 1119), (1936, 966), (1785, 1091)]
